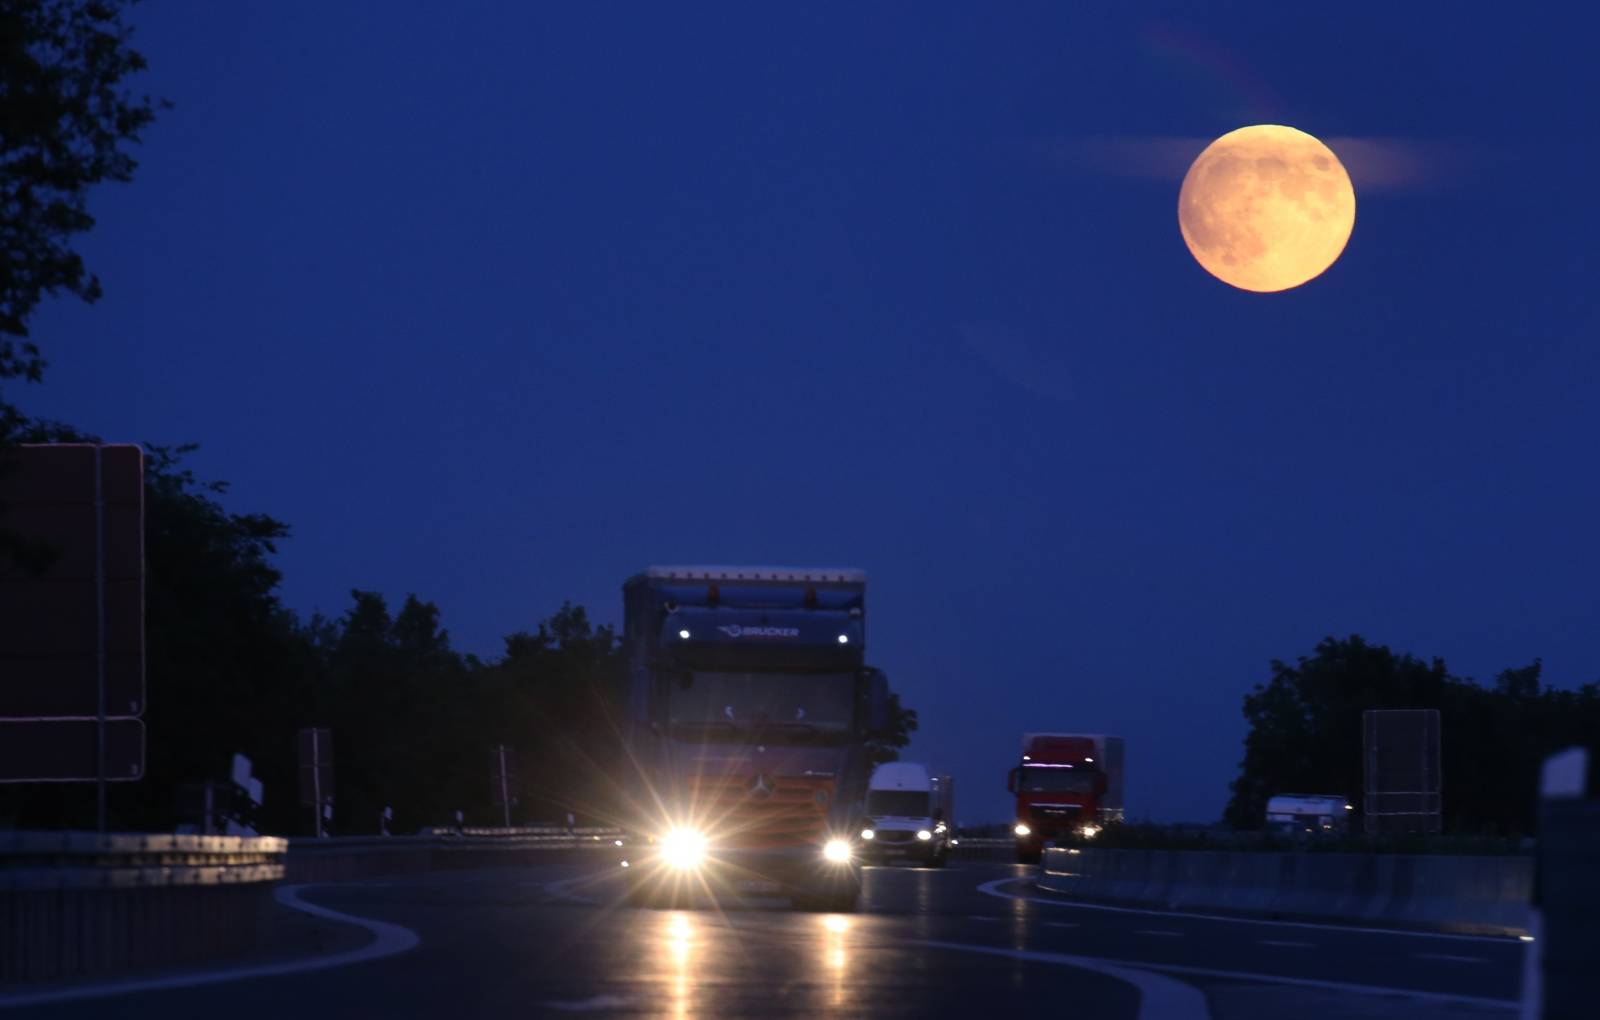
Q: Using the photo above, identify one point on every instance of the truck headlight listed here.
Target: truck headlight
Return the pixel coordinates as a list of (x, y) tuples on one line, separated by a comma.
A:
[(1089, 831), (1022, 829), (868, 834), (836, 850), (683, 848), (924, 834)]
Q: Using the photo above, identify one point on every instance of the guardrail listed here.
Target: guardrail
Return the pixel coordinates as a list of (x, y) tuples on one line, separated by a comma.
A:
[(77, 903), (1445, 893)]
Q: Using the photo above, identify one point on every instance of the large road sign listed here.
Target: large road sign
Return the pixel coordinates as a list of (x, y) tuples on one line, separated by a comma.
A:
[(72, 634), (1401, 758), (66, 750)]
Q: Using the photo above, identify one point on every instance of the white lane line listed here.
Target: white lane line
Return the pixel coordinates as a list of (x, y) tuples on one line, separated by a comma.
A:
[(388, 939), (559, 890), (1119, 967), (591, 1004), (1165, 934), (991, 889), (1450, 959), (1286, 943), (1160, 998), (1061, 924)]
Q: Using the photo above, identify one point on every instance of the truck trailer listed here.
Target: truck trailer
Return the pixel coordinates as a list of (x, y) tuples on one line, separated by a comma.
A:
[(1068, 787), (748, 708)]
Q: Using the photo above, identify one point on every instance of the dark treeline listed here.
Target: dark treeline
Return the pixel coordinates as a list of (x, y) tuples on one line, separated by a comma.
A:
[(231, 670), (1305, 732)]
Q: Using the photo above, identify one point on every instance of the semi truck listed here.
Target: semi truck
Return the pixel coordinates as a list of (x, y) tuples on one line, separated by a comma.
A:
[(908, 815), (1316, 814), (1068, 787), (748, 708)]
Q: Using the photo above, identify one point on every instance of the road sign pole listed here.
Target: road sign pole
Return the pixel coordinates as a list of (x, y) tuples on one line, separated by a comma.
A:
[(100, 644), (505, 793), (316, 782)]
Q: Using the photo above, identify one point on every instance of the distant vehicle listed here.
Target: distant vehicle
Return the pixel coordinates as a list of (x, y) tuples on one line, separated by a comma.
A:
[(1308, 813), (1068, 787), (748, 708), (907, 815)]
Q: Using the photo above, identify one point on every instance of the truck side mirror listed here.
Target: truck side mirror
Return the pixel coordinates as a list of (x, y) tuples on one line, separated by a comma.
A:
[(1011, 780)]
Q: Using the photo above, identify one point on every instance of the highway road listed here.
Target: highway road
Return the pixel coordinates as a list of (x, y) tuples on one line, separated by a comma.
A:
[(972, 939)]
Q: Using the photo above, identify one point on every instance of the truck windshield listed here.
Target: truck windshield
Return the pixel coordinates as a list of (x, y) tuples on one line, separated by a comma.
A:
[(898, 803), (781, 707), (1038, 780)]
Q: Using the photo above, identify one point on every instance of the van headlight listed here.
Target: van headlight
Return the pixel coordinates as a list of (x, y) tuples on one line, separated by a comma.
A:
[(837, 851), (868, 834), (683, 848), (924, 834)]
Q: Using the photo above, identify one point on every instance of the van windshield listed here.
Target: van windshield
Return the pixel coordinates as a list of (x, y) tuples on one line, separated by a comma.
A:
[(898, 803)]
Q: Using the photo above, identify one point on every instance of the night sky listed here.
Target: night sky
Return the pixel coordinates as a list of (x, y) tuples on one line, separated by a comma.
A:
[(500, 306)]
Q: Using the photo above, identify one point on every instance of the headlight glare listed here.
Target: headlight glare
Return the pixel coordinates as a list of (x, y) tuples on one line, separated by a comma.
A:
[(868, 834), (683, 848), (1022, 829), (836, 850), (924, 834)]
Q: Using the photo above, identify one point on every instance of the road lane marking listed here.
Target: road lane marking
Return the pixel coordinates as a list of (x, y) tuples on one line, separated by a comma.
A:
[(990, 888), (590, 1004), (1166, 934), (1118, 967), (1061, 924), (1286, 943), (388, 940), (983, 917), (1160, 997), (559, 890), (1450, 959)]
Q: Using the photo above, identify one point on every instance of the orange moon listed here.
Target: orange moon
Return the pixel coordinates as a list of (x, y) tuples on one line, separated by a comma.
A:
[(1266, 208)]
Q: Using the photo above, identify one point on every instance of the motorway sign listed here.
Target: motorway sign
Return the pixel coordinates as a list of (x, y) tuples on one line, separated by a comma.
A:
[(64, 751), (1400, 753), (72, 650)]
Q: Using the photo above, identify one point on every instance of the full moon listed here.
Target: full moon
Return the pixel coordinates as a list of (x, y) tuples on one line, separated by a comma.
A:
[(1266, 208)]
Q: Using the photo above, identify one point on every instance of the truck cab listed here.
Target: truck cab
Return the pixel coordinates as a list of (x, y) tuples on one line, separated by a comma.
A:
[(906, 819), (1068, 787), (748, 708)]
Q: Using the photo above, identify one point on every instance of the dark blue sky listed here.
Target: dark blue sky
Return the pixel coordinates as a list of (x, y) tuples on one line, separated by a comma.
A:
[(499, 306)]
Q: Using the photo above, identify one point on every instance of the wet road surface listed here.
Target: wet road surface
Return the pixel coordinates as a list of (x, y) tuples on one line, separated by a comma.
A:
[(967, 940)]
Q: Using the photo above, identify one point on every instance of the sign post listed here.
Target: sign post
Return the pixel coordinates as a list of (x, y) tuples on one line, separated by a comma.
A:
[(503, 765), (315, 746)]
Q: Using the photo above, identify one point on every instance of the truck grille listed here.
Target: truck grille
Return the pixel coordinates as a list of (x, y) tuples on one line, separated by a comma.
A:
[(794, 813)]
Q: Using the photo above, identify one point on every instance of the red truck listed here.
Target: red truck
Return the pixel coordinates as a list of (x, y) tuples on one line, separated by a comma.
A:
[(1068, 787)]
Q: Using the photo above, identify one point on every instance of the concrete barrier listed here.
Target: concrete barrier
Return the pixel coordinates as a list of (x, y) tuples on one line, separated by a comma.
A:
[(78, 903), (1442, 893)]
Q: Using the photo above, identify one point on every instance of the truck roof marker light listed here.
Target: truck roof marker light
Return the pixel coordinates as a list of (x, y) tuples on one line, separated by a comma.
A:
[(844, 639), (1026, 758), (683, 635), (1349, 807)]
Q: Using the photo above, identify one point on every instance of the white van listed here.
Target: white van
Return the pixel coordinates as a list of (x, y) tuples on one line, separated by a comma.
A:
[(904, 819)]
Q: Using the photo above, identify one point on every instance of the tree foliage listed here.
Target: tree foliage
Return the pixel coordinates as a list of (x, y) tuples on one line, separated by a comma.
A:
[(66, 122), (1305, 732)]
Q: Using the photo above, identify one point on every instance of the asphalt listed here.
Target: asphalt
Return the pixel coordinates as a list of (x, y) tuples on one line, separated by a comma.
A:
[(971, 939)]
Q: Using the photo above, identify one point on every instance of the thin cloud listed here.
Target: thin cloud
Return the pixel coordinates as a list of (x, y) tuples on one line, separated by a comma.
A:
[(1018, 361), (1376, 164)]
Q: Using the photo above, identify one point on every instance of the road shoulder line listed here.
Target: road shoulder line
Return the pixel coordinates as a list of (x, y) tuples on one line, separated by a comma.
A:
[(388, 940)]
